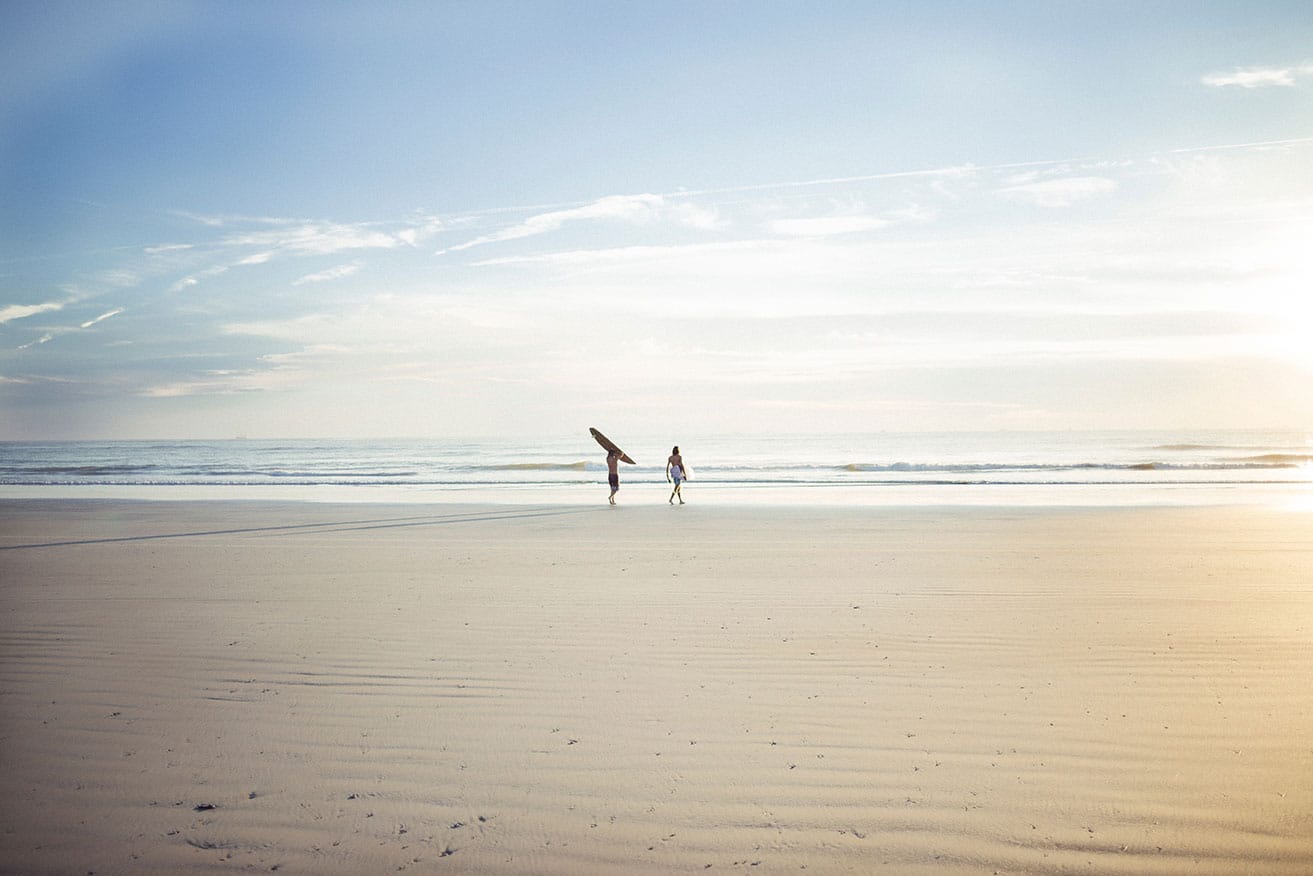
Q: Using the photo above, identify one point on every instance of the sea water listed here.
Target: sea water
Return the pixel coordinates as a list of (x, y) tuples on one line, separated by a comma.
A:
[(1004, 468)]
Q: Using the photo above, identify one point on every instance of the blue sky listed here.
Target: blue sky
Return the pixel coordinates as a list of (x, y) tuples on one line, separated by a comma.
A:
[(299, 219)]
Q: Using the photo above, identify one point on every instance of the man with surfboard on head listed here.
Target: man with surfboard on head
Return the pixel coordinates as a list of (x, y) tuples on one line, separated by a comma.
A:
[(613, 473), (613, 455)]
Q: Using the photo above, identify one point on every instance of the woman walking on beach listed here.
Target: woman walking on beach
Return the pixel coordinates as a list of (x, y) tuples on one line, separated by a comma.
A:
[(675, 474)]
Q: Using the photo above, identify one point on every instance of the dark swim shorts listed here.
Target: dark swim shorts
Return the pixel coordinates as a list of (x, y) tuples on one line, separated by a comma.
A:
[(615, 481)]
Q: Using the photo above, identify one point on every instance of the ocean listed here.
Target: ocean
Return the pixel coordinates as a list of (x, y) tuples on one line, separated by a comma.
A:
[(1002, 468)]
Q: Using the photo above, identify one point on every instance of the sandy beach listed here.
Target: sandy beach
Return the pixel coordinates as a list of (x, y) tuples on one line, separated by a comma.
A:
[(352, 689)]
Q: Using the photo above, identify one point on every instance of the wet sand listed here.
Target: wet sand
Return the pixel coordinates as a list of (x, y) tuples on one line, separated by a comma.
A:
[(305, 688)]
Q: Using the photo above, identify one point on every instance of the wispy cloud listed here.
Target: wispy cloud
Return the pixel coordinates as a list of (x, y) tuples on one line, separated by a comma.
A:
[(827, 226), (336, 273), (246, 243), (423, 229), (633, 209), (219, 221), (104, 316), (951, 172), (698, 210), (22, 311), (1060, 192), (195, 279), (269, 236), (54, 331), (1258, 77), (626, 254), (211, 383), (313, 238), (44, 339)]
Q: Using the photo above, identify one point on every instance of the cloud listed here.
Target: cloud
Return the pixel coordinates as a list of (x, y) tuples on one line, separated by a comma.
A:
[(104, 316), (626, 208), (627, 254), (336, 273), (312, 238), (691, 215), (827, 226), (425, 228), (265, 239), (1258, 77), (44, 339), (952, 172), (1060, 192), (224, 220), (195, 279), (248, 243), (21, 311), (213, 383)]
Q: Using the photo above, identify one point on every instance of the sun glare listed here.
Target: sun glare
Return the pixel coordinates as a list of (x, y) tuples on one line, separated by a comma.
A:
[(1296, 338), (1292, 303)]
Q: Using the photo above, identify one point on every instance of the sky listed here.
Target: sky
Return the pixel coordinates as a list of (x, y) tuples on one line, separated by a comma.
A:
[(288, 219)]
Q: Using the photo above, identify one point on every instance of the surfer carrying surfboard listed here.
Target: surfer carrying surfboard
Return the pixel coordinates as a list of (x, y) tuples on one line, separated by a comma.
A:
[(613, 472), (675, 474), (613, 455)]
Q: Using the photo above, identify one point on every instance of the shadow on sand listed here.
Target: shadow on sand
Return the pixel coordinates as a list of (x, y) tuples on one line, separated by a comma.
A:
[(329, 526)]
